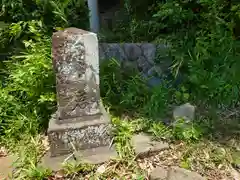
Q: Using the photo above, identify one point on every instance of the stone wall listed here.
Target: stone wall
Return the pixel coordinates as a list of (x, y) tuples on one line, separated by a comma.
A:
[(150, 59)]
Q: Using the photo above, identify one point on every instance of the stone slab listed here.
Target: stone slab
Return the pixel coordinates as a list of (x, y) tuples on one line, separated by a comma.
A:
[(176, 173), (143, 144), (159, 173), (93, 156), (65, 138)]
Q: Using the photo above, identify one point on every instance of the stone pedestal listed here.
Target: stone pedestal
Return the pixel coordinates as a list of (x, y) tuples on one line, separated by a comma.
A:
[(81, 122)]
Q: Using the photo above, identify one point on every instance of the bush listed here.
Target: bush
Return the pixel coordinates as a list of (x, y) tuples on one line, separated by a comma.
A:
[(53, 13), (202, 36), (13, 35), (28, 97), (122, 90), (22, 15), (208, 61), (149, 20), (126, 91)]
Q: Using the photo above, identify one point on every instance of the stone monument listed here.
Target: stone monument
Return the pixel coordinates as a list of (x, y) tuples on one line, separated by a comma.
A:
[(80, 122)]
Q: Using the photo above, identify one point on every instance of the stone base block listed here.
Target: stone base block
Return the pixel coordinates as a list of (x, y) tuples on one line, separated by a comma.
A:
[(74, 135), (93, 156)]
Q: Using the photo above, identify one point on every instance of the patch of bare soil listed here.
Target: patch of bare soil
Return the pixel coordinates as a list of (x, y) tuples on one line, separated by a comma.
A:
[(5, 164)]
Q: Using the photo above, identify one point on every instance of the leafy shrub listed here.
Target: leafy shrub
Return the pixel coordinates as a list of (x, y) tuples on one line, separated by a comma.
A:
[(121, 89), (156, 105), (149, 20), (209, 66), (54, 13), (186, 131), (45, 16), (28, 96), (202, 37), (126, 91), (13, 35)]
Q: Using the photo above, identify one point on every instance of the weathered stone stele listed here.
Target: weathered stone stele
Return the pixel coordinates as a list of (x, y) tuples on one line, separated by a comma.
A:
[(81, 121)]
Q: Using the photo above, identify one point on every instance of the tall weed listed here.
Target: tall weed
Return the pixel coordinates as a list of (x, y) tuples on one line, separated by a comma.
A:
[(126, 91), (28, 95), (53, 13), (122, 90)]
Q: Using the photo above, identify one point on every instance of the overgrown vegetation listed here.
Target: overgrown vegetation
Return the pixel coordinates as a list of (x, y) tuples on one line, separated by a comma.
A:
[(202, 38), (27, 93), (53, 13), (204, 48)]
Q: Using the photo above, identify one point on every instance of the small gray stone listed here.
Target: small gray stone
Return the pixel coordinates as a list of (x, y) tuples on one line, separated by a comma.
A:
[(154, 81), (176, 173), (102, 51), (155, 70), (132, 51), (159, 173), (143, 64), (186, 111), (114, 50), (143, 144), (149, 51)]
